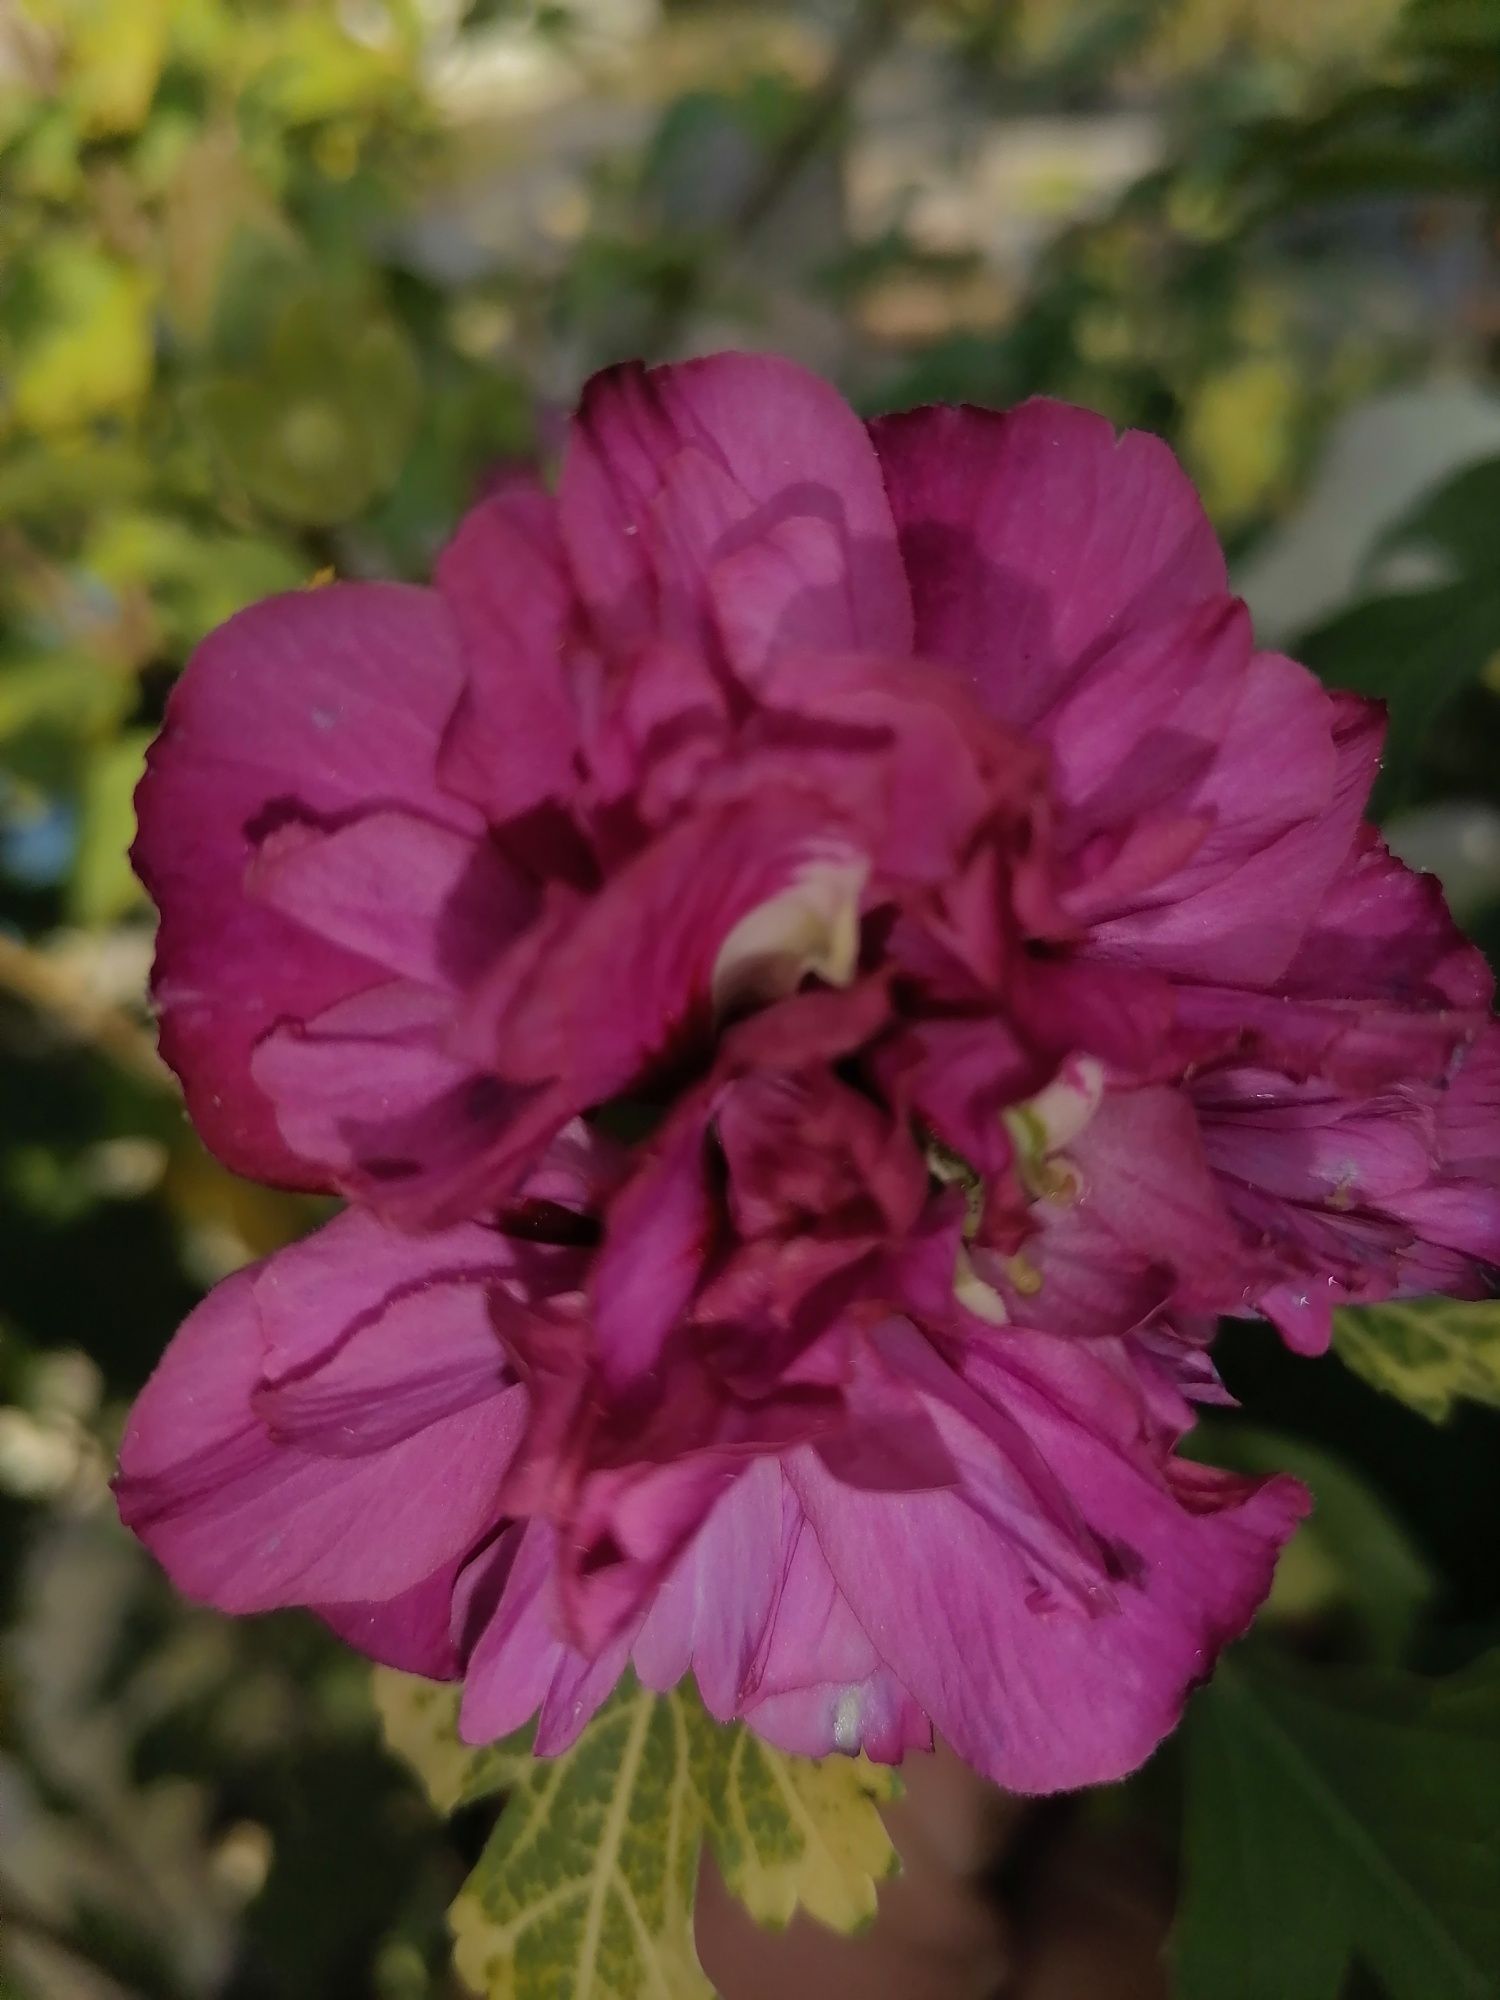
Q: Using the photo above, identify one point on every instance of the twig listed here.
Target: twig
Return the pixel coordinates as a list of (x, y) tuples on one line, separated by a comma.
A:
[(54, 991), (869, 33)]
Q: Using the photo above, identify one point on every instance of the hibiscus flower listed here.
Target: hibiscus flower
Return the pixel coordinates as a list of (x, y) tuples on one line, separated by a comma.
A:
[(823, 958)]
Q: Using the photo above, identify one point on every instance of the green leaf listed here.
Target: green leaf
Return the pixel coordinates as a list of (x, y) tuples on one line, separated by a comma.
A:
[(1417, 651), (115, 55), (419, 1720), (1432, 1353), (790, 1832), (1332, 1817), (586, 1885), (90, 351), (322, 424), (195, 577), (1352, 1560), (1455, 519)]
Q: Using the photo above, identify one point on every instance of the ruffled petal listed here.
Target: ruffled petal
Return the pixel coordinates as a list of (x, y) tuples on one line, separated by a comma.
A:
[(245, 1521), (738, 485), (414, 898), (1044, 1693), (1032, 536), (299, 710)]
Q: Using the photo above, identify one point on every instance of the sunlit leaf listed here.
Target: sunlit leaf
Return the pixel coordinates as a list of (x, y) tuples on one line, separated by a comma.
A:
[(306, 67), (586, 1885), (196, 577), (64, 691), (90, 351), (1432, 1353), (210, 197), (1331, 1817), (1241, 433), (419, 1720), (321, 427), (113, 57)]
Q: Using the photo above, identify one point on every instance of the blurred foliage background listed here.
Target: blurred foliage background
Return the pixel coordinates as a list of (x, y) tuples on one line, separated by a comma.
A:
[(281, 282)]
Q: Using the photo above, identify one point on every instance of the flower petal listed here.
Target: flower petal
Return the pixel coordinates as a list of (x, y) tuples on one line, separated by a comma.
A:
[(673, 474), (246, 1523), (510, 742), (298, 709), (1032, 535), (1045, 1695)]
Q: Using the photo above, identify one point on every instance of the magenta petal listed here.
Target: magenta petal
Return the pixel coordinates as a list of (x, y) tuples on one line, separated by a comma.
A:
[(438, 1141), (1143, 725), (710, 1615), (247, 1523), (629, 979), (1149, 1224), (511, 740), (414, 898), (876, 1718), (517, 1666), (658, 1235), (1032, 535), (428, 1354), (887, 963), (1283, 801), (1042, 1694), (1383, 932), (818, 1684), (672, 470), (299, 708), (409, 1632)]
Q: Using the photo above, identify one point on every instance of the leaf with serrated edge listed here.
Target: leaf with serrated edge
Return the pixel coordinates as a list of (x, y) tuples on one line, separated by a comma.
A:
[(585, 1888), (790, 1831), (419, 1720), (1431, 1353)]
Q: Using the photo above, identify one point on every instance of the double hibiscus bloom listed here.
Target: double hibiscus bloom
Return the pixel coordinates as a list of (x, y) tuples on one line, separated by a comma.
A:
[(822, 959)]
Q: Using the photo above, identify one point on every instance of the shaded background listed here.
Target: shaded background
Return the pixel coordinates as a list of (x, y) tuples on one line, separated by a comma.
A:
[(279, 285)]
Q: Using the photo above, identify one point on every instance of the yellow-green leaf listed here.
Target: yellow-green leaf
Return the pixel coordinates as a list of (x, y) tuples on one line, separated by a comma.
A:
[(113, 56), (586, 1886), (790, 1831), (1432, 1353), (419, 1720), (103, 885), (91, 353)]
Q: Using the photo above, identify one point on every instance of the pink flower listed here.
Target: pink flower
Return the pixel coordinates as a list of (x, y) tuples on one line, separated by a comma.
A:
[(825, 958)]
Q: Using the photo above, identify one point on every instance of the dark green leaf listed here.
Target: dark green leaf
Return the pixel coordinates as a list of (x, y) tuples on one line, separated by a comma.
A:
[(1334, 1818), (1455, 519), (1352, 1561), (1415, 651)]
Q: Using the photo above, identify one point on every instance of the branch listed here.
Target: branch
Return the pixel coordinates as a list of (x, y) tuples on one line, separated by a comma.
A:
[(873, 27), (54, 990)]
